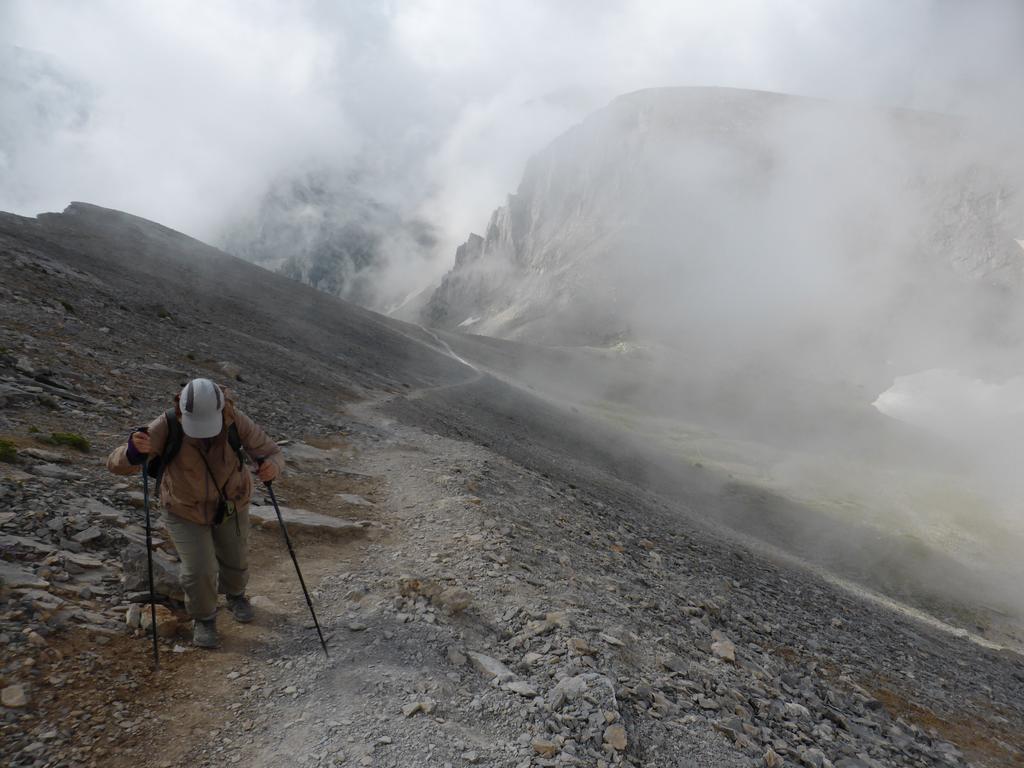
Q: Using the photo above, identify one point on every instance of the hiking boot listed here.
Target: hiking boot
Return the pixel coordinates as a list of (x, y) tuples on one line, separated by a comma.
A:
[(241, 608), (204, 633)]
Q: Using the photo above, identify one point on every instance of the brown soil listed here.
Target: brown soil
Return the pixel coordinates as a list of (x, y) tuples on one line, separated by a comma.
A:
[(986, 742)]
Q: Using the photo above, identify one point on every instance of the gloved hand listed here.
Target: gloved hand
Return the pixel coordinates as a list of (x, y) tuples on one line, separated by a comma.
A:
[(140, 441), (267, 471)]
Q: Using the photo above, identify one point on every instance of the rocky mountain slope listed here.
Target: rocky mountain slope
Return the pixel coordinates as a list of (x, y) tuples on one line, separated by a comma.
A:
[(718, 219), (503, 580)]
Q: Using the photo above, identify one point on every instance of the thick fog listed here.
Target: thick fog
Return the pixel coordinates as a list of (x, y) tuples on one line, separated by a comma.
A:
[(387, 131)]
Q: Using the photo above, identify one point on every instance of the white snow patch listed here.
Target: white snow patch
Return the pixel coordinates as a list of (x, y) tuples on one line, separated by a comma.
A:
[(947, 402)]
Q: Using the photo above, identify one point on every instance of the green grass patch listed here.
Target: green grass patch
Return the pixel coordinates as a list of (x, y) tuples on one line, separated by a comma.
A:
[(8, 452), (71, 440)]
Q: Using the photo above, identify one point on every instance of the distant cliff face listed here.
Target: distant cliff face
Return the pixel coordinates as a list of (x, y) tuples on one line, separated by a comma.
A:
[(691, 213)]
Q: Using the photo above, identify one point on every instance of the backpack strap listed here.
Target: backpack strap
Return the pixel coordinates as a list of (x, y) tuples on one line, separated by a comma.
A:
[(175, 435), (236, 444)]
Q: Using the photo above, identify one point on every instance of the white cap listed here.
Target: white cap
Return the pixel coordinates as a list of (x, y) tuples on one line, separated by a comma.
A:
[(202, 407)]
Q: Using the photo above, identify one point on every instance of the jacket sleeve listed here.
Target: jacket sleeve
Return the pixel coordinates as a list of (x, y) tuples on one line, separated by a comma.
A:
[(120, 461), (257, 443)]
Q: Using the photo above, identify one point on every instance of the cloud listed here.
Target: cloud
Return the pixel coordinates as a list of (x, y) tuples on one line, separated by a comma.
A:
[(188, 113)]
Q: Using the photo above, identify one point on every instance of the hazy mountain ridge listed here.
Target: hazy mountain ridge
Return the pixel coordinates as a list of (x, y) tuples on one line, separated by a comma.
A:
[(326, 229), (769, 194)]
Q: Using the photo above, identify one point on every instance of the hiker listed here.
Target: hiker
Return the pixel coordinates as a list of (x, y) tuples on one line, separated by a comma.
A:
[(205, 488)]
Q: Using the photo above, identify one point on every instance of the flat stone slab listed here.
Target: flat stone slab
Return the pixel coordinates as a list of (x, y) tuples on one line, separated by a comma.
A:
[(23, 542), (303, 520), (102, 512), (8, 472), (490, 667), (41, 454), (81, 559), (354, 499), (301, 454), (54, 471), (14, 576)]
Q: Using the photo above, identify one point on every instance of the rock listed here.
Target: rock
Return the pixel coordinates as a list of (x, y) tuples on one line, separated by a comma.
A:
[(54, 471), (264, 603), (166, 621), (303, 520), (560, 619), (454, 600), (567, 689), (356, 626), (14, 696), (615, 737), (490, 667), (611, 640), (456, 657), (580, 647), (354, 500), (42, 455), (90, 534), (39, 600), (723, 647), (544, 748), (100, 511), (26, 543), (521, 687), (795, 711), (34, 638), (675, 664), (13, 576), (165, 572), (815, 758), (80, 559), (230, 370), (426, 706), (302, 455), (705, 702), (771, 759)]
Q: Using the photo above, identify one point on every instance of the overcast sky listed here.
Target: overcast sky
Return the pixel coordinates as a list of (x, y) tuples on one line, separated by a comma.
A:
[(184, 112)]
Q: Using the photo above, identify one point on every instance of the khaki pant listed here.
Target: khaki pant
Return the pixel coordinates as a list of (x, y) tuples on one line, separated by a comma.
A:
[(214, 558)]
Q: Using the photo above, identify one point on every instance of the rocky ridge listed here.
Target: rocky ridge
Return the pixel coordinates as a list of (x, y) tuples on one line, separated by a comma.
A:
[(623, 225)]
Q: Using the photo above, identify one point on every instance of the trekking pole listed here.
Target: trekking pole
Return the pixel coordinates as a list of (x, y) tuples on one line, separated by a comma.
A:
[(149, 561), (291, 551)]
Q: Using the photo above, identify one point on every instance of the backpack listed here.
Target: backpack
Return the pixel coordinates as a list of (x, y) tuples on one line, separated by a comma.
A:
[(175, 435)]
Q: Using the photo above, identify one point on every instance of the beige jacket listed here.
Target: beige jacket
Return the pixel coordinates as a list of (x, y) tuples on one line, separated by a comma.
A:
[(187, 490)]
